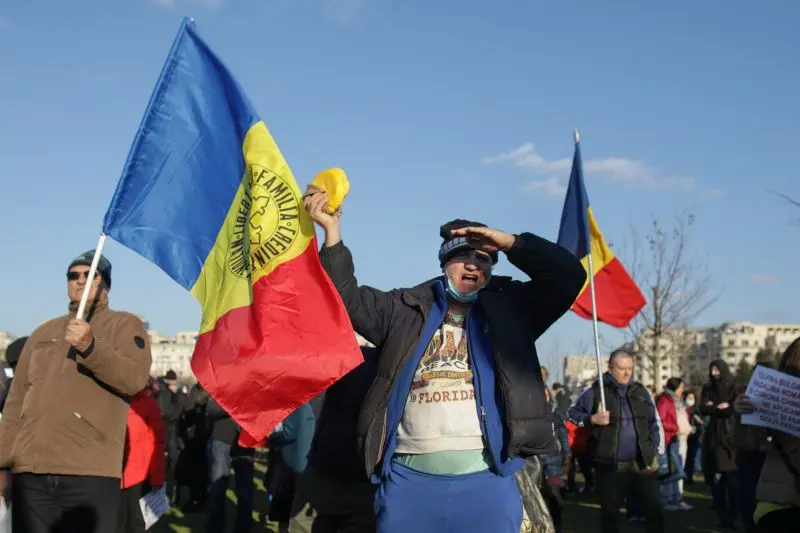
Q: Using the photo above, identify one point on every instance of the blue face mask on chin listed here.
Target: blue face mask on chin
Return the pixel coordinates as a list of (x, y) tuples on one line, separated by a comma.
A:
[(467, 298)]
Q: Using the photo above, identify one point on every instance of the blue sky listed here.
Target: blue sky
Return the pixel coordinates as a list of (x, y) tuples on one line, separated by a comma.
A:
[(436, 110)]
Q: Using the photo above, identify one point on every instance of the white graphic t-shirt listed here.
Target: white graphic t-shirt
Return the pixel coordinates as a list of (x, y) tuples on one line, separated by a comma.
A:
[(441, 413)]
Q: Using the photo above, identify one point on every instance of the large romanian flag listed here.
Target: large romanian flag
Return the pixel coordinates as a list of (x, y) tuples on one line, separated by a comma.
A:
[(617, 296), (206, 195)]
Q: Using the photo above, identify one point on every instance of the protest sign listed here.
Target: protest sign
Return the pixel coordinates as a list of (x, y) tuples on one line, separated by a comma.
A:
[(776, 397), (154, 505)]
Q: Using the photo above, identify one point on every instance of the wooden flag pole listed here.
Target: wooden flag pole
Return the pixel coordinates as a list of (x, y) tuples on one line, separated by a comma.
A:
[(594, 309)]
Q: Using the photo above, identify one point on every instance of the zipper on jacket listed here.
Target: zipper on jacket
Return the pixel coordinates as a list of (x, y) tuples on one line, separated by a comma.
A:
[(618, 415), (476, 385), (92, 426), (384, 433), (639, 451)]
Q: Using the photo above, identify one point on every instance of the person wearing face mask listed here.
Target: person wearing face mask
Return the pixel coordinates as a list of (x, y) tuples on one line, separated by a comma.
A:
[(458, 403), (695, 438), (719, 446)]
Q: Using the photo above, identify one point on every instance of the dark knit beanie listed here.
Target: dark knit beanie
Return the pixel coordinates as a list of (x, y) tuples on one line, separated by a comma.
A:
[(103, 266), (14, 350), (452, 246)]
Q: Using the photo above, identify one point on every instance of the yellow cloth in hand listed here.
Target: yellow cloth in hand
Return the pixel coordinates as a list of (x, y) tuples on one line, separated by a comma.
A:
[(334, 182)]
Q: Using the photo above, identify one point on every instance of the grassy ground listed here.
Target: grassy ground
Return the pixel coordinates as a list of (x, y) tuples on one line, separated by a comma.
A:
[(581, 515)]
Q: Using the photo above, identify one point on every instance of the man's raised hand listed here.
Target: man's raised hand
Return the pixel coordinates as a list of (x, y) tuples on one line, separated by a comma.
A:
[(486, 239)]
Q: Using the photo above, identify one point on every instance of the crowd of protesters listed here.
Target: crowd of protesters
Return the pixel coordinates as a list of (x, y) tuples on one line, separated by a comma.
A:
[(679, 437), (450, 422)]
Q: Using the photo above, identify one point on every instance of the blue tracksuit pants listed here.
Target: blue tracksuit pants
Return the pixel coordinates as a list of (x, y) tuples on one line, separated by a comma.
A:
[(412, 501)]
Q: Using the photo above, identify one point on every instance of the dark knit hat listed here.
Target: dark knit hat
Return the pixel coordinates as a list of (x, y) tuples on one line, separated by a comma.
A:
[(103, 266), (454, 245), (171, 376), (14, 350)]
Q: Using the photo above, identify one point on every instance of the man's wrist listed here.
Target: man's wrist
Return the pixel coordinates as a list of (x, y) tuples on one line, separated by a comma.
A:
[(508, 248), (332, 236), (86, 352)]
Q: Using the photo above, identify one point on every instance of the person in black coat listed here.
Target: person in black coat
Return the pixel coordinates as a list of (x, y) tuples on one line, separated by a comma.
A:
[(13, 352), (719, 445), (225, 453), (334, 483), (191, 469), (459, 388), (171, 400)]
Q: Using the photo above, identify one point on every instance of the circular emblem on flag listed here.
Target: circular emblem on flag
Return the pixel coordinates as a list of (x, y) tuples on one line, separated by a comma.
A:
[(267, 222)]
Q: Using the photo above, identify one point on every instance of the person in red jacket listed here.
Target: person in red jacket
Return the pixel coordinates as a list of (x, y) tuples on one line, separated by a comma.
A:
[(669, 415), (578, 437), (144, 463), (670, 407)]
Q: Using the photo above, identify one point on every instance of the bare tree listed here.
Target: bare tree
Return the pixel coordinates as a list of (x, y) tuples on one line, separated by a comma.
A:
[(676, 284), (789, 199), (553, 359)]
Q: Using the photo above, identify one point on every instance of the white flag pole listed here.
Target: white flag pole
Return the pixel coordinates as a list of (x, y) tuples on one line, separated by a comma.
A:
[(594, 310), (92, 272)]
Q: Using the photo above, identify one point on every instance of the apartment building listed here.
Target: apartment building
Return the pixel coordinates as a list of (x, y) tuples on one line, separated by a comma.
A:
[(687, 352), (578, 369), (680, 352), (5, 339), (173, 353), (741, 341)]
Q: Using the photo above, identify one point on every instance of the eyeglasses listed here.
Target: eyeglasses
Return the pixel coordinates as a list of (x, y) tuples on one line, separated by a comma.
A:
[(74, 276)]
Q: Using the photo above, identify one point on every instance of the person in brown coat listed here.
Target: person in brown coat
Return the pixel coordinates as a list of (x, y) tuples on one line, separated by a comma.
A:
[(63, 427)]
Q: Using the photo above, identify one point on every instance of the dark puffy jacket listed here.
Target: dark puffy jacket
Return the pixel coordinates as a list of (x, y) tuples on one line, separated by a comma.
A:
[(517, 314), (223, 427), (334, 451), (13, 352)]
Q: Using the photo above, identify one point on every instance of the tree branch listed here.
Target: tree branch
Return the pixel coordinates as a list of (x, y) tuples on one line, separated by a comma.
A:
[(788, 199), (676, 281)]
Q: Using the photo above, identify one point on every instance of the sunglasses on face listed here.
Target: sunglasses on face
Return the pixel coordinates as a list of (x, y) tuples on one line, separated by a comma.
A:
[(74, 276)]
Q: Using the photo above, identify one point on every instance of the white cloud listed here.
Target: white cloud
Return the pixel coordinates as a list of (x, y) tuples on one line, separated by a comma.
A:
[(527, 157), (550, 186), (762, 279), (713, 193), (616, 170)]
